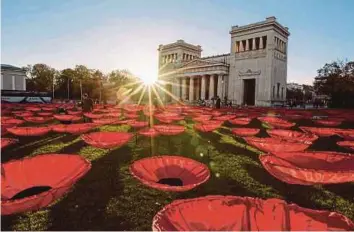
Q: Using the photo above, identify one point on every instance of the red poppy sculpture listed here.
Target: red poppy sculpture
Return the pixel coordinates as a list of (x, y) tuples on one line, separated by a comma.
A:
[(74, 129), (44, 114), (67, 118), (170, 173), (105, 121), (93, 116), (5, 142), (207, 127), (245, 132), (292, 135), (32, 183), (148, 132), (12, 121), (240, 121), (348, 144), (276, 122), (138, 124), (169, 129), (275, 145), (233, 213), (347, 134), (309, 168), (107, 140), (38, 119), (320, 131), (328, 122), (29, 131)]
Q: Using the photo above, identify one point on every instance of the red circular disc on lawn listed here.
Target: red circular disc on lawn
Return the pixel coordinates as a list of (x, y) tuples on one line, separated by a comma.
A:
[(328, 122), (207, 127), (319, 131), (7, 142), (70, 112), (93, 116), (148, 132), (74, 129), (24, 114), (67, 118), (169, 129), (309, 168), (44, 114), (57, 172), (12, 121), (105, 121), (38, 119), (347, 134), (202, 118), (245, 132), (224, 117), (348, 144), (234, 213), (107, 140), (275, 145), (29, 131), (292, 135), (170, 173), (240, 121), (138, 124)]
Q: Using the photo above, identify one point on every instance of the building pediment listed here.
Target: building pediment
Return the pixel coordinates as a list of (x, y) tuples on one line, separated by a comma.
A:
[(201, 63)]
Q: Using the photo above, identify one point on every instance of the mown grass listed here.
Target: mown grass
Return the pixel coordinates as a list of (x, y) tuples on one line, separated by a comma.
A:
[(109, 198)]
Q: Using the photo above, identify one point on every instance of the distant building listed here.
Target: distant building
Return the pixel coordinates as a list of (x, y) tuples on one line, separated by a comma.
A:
[(13, 78), (253, 73), (294, 86)]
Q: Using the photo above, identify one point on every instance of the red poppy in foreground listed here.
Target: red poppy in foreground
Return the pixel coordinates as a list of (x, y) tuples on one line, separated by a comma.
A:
[(170, 173), (169, 129), (309, 168), (347, 134), (74, 129), (105, 121), (5, 142), (240, 121), (70, 112), (44, 114), (93, 116), (348, 144), (276, 122), (245, 132), (320, 131), (148, 132), (233, 213), (12, 121), (107, 140), (138, 124), (29, 131), (292, 135), (275, 145), (32, 183)]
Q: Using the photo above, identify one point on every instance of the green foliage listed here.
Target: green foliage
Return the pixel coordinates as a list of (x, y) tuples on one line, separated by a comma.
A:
[(337, 81)]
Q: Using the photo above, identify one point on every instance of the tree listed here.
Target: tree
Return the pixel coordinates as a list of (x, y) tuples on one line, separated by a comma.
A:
[(336, 80), (41, 77)]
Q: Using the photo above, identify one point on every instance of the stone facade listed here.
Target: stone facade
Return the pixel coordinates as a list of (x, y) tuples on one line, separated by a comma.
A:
[(253, 73), (12, 78)]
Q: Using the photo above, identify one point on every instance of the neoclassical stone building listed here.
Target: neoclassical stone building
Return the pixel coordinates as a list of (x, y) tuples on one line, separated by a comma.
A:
[(253, 73)]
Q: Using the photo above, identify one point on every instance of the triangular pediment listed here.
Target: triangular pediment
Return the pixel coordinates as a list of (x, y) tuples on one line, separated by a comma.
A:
[(200, 63)]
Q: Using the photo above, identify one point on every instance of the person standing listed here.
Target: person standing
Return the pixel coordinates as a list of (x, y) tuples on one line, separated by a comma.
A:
[(87, 105), (218, 102)]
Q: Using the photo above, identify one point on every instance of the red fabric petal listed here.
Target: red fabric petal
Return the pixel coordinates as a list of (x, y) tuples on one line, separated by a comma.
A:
[(275, 145), (244, 132), (106, 140), (29, 131)]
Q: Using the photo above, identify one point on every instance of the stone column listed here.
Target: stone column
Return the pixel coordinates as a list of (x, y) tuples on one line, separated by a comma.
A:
[(197, 97), (191, 89), (254, 44), (203, 86), (211, 87), (220, 85), (241, 46), (184, 87), (261, 42), (24, 83), (247, 45), (178, 84), (13, 83)]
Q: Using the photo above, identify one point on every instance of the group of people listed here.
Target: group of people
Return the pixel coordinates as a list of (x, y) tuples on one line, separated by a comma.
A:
[(215, 102)]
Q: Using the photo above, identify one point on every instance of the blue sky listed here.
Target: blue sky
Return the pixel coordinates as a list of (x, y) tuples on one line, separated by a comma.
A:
[(117, 34)]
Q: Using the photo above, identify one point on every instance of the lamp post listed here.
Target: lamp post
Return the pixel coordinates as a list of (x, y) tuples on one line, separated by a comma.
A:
[(53, 89), (68, 88)]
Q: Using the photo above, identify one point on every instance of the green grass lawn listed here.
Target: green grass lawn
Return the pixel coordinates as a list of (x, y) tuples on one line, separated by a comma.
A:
[(109, 198)]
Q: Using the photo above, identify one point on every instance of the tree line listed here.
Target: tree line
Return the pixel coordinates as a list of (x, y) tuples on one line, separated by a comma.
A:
[(71, 83)]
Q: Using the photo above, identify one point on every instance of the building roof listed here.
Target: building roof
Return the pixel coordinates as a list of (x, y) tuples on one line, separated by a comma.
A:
[(11, 67)]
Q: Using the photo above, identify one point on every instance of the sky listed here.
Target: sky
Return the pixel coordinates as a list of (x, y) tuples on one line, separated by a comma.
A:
[(122, 34)]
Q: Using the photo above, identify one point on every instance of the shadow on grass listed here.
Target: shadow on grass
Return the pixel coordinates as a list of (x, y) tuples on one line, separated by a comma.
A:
[(345, 190), (26, 146), (84, 208)]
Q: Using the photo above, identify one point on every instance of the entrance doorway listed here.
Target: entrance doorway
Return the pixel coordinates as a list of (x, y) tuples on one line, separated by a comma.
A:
[(249, 91)]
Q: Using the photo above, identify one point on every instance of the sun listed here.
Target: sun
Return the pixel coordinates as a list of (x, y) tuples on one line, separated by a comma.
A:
[(149, 77)]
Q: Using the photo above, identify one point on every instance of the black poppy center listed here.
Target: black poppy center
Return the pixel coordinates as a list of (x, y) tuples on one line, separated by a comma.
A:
[(171, 181), (30, 192)]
